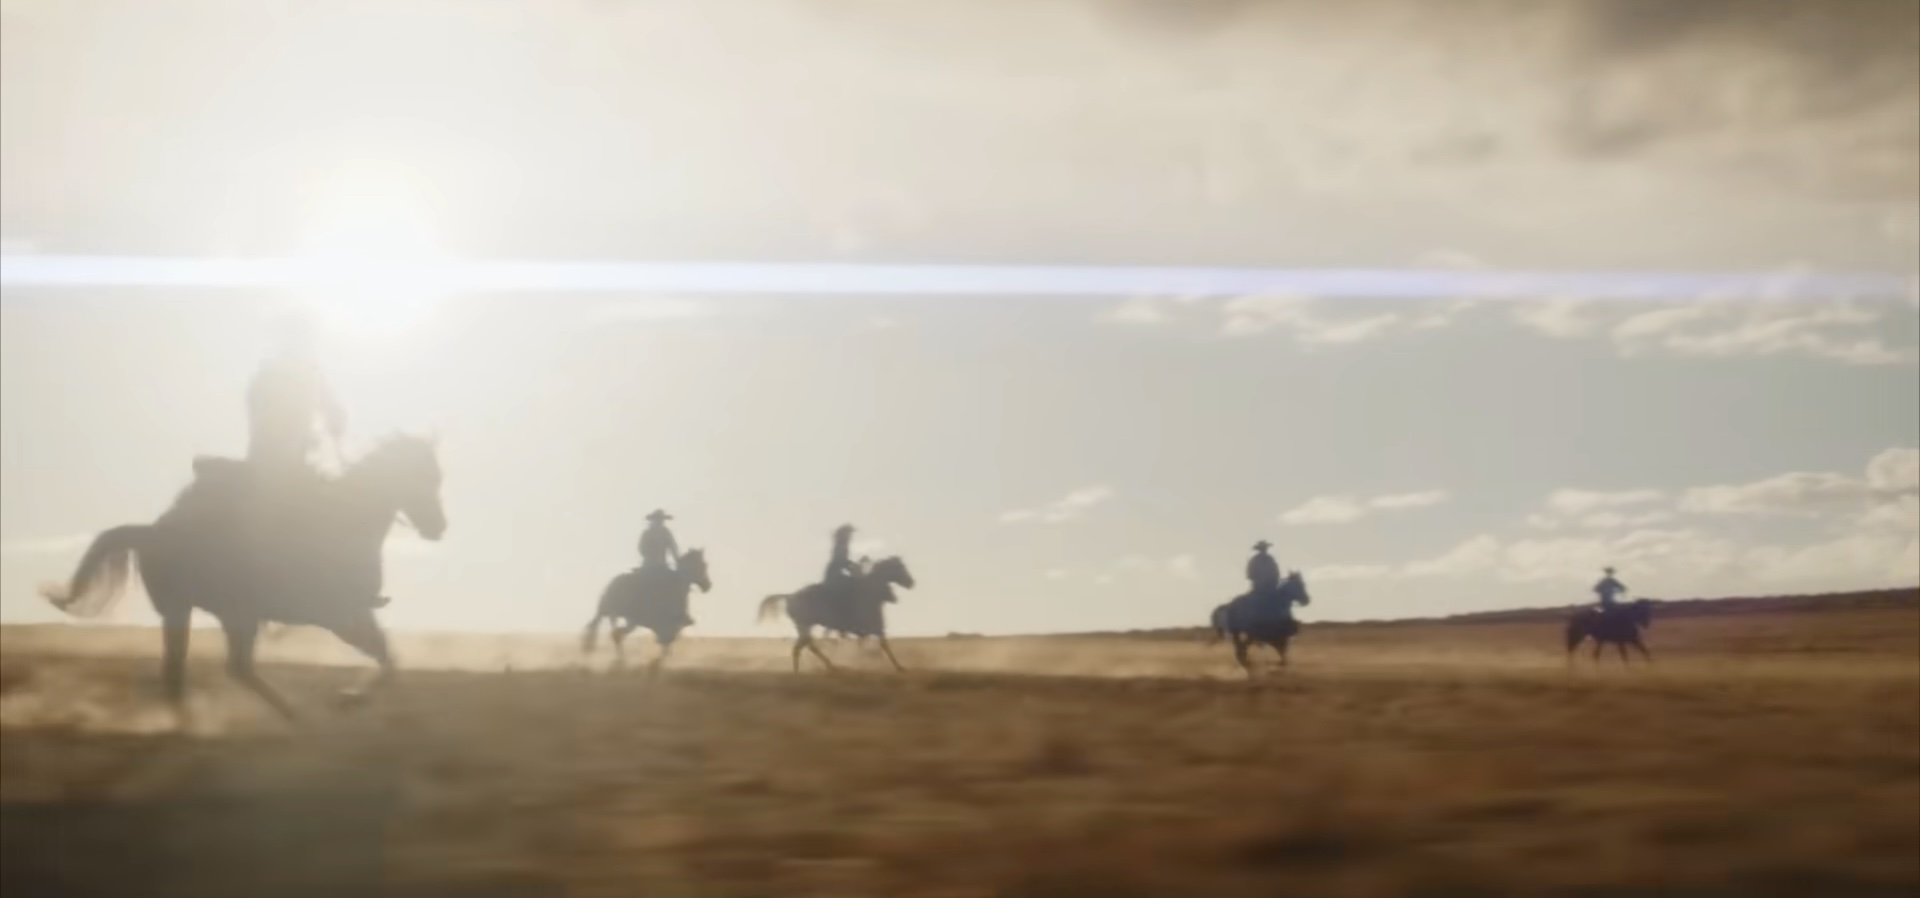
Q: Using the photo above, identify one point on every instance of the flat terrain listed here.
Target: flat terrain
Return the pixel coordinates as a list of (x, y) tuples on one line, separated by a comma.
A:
[(1768, 752)]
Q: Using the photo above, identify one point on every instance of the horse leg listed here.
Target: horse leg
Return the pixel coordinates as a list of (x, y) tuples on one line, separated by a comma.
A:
[(1281, 647), (1644, 654), (1599, 645), (1240, 654), (365, 635), (242, 633), (620, 633), (666, 648), (1621, 646), (806, 642), (174, 633), (889, 650)]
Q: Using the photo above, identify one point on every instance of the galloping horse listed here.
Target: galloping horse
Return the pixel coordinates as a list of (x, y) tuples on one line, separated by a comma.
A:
[(310, 556), (856, 610), (1620, 626), (1247, 622), (629, 599)]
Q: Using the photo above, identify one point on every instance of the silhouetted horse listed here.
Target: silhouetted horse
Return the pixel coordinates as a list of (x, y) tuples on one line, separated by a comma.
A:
[(857, 610), (310, 556), (660, 606), (1247, 621), (1620, 626)]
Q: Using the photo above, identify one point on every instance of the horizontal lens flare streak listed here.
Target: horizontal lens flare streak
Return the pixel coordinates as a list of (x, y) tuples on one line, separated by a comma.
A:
[(472, 277)]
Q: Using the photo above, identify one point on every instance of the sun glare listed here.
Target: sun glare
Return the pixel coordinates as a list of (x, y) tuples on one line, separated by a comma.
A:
[(370, 258)]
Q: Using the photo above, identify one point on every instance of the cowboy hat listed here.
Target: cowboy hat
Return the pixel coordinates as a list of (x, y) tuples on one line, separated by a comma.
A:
[(658, 515), (1262, 546)]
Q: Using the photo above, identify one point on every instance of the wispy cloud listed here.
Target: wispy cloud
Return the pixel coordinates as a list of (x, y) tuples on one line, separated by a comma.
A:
[(1890, 477), (1347, 509), (1842, 332), (1718, 327), (1303, 318), (1070, 507)]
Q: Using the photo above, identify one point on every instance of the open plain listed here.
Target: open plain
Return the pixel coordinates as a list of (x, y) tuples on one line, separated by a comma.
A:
[(1772, 749)]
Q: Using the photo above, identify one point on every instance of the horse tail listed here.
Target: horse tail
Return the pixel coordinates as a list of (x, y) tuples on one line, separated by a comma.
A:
[(771, 606), (1219, 624), (101, 578)]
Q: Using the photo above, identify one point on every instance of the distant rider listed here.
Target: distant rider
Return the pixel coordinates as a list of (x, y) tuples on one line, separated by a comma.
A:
[(659, 553), (1263, 572), (1609, 589)]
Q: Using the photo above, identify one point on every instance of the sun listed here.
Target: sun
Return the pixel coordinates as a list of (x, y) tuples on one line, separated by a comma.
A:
[(370, 263)]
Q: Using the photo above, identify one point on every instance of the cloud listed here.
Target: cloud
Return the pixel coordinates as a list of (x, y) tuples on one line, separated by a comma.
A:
[(1890, 477), (1578, 501), (1342, 572), (1880, 558), (1140, 311), (1302, 317), (1325, 510), (1347, 509), (1071, 507), (1398, 501), (46, 545), (1563, 318), (1183, 567), (1848, 333), (1472, 556), (1868, 534)]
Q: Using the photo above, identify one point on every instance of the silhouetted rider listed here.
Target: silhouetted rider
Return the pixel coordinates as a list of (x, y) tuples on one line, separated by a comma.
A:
[(660, 554), (287, 397), (1609, 589), (658, 549), (1262, 570), (841, 571)]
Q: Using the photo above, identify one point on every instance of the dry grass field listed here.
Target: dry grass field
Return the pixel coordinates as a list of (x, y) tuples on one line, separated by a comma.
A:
[(1771, 751)]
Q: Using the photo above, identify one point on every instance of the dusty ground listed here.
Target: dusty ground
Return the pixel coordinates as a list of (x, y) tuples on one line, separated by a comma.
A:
[(1765, 754)]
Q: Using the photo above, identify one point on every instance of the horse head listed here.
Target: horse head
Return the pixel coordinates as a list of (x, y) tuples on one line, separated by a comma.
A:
[(1295, 587), (1641, 612), (893, 572), (405, 471), (693, 566)]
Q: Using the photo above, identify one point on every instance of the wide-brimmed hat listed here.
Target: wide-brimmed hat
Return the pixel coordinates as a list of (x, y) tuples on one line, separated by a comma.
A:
[(843, 528), (658, 515), (1262, 546)]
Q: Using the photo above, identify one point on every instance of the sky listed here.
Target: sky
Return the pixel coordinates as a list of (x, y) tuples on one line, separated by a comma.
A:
[(1045, 460)]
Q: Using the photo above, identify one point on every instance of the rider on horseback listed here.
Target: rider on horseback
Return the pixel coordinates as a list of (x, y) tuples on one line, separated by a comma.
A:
[(1608, 589), (841, 570), (285, 399), (1263, 572), (659, 553)]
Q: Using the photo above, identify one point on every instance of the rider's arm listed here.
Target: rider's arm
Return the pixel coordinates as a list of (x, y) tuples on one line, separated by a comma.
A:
[(673, 547)]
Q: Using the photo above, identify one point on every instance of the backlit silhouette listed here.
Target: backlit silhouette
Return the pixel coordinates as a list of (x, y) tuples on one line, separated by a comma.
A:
[(656, 601), (1262, 617), (306, 554), (854, 606), (1619, 625)]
